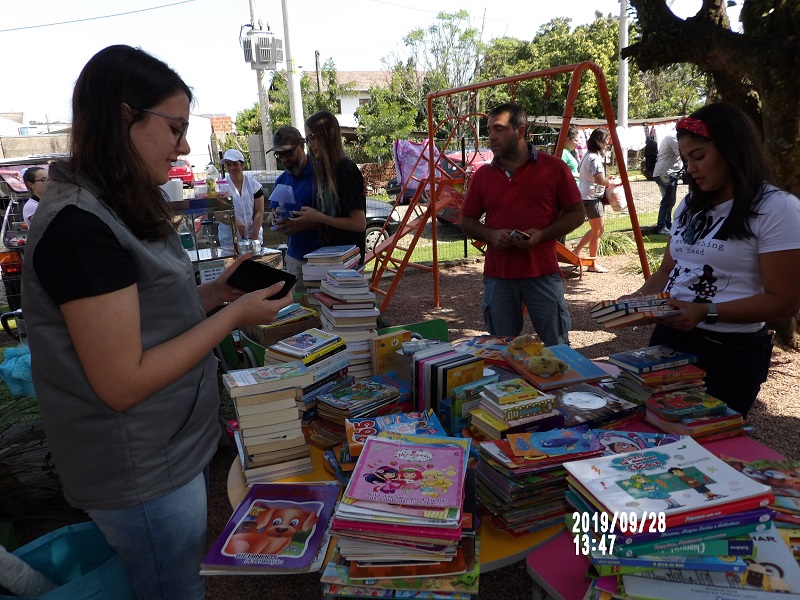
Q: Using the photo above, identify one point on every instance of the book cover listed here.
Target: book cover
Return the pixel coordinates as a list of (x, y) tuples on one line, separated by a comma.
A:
[(361, 392), (275, 528), (651, 358), (783, 476), (305, 343), (499, 428), (244, 382), (578, 368), (488, 347), (346, 277), (510, 391), (732, 564), (590, 404), (457, 374), (455, 414), (673, 478), (674, 406), (557, 442), (697, 426), (542, 403), (634, 301), (347, 294), (335, 303), (773, 571), (384, 350), (639, 316), (619, 442), (438, 482), (681, 373), (330, 252), (417, 423), (727, 543)]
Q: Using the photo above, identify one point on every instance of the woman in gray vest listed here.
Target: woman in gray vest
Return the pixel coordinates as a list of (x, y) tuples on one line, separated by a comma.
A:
[(120, 343)]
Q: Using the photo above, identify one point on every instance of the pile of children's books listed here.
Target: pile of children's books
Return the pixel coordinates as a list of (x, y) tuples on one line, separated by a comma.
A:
[(404, 521), (674, 521), (636, 310), (270, 436), (363, 398), (278, 528), (324, 259), (514, 406), (325, 357), (783, 477), (521, 480), (551, 367), (347, 309)]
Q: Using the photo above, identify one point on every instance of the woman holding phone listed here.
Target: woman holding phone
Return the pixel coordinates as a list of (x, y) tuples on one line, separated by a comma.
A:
[(121, 346)]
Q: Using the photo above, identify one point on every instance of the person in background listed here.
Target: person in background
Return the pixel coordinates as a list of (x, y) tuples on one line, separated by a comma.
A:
[(592, 184), (569, 153), (248, 201), (650, 151), (340, 211), (35, 179), (289, 147), (121, 348), (529, 199), (665, 172), (733, 261)]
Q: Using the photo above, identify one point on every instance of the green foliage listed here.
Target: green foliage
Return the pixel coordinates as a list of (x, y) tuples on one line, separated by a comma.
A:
[(384, 118), (616, 242), (248, 121)]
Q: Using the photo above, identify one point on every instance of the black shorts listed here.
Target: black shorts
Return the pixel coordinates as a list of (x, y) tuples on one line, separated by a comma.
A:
[(594, 208)]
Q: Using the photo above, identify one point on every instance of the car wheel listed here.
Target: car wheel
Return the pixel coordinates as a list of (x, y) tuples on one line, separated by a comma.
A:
[(373, 235)]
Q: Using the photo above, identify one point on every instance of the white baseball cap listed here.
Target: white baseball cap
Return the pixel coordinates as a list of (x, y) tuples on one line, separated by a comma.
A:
[(232, 155)]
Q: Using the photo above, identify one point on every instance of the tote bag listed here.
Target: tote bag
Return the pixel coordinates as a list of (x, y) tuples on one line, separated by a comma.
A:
[(78, 559)]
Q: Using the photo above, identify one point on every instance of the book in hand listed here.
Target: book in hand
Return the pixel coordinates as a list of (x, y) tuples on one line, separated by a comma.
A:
[(651, 358), (640, 316), (609, 306), (679, 479), (691, 403), (277, 528)]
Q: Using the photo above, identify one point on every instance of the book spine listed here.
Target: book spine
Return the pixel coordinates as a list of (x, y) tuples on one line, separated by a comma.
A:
[(712, 543), (686, 562), (536, 408)]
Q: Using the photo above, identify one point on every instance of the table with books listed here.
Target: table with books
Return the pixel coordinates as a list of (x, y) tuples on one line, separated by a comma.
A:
[(560, 572)]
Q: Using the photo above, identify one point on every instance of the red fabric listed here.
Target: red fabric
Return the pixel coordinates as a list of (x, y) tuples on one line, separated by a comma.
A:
[(533, 198)]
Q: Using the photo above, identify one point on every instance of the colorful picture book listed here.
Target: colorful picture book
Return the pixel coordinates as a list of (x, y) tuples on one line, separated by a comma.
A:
[(578, 368), (489, 347), (510, 391), (306, 343), (675, 478), (590, 405), (384, 350), (619, 442), (605, 306), (651, 358), (417, 423), (408, 474), (557, 442), (639, 316), (277, 528), (691, 403)]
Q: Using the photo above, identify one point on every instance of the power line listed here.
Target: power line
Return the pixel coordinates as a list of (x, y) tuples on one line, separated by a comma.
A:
[(130, 12)]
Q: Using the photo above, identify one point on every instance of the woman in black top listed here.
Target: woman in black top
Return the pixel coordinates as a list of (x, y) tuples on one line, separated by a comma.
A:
[(341, 210)]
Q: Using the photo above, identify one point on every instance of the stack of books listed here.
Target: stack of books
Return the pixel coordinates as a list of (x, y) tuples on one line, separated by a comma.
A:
[(694, 413), (278, 528), (521, 480), (322, 260), (455, 411), (291, 319), (384, 349), (324, 355), (552, 367), (592, 405), (270, 437), (781, 476), (688, 518), (638, 387), (347, 308), (364, 398), (403, 515), (638, 310), (514, 406)]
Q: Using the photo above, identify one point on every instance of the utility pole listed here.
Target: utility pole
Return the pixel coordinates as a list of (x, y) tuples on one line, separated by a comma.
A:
[(622, 91), (319, 76), (292, 76), (263, 98)]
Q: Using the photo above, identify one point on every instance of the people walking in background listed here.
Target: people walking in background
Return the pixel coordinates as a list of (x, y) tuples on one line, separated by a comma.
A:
[(340, 211), (302, 238), (592, 184), (35, 179), (665, 172), (121, 348), (650, 151), (733, 261), (529, 199), (248, 201), (569, 154)]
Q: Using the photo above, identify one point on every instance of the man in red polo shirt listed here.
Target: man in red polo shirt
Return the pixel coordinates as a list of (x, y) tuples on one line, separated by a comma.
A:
[(530, 199)]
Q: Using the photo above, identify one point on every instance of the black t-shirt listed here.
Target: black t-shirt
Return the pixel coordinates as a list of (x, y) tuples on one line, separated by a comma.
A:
[(79, 256), (350, 184)]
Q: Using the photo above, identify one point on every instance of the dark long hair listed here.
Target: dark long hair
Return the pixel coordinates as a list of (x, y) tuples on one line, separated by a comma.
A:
[(738, 142), (328, 136), (101, 147), (598, 136)]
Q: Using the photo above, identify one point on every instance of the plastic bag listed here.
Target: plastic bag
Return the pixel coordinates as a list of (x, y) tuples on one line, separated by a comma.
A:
[(78, 559), (616, 199)]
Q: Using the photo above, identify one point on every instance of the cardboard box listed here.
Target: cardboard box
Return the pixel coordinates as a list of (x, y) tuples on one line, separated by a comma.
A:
[(266, 335)]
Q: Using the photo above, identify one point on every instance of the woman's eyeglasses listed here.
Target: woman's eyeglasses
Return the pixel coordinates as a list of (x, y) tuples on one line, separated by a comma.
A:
[(40, 180), (285, 153), (311, 137), (181, 132)]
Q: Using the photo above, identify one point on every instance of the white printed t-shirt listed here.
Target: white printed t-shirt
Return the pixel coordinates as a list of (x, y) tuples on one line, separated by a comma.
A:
[(718, 269)]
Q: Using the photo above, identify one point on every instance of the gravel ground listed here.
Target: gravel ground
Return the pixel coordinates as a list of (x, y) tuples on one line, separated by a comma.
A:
[(774, 416)]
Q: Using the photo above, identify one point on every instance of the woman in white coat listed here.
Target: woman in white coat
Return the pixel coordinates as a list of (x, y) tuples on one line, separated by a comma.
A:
[(248, 201)]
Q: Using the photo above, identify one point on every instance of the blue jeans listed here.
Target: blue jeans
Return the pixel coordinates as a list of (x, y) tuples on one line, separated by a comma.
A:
[(542, 296), (161, 543), (669, 190)]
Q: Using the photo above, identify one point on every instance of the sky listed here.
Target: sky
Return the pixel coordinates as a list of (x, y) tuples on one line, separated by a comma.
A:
[(46, 46)]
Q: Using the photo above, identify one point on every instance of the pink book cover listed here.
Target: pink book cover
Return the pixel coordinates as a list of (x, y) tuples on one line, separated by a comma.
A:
[(372, 529), (408, 474)]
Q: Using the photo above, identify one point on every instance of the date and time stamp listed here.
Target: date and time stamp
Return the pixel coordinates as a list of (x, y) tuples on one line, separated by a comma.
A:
[(597, 532)]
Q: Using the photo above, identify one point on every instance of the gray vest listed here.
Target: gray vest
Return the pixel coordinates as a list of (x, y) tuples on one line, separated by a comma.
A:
[(105, 458)]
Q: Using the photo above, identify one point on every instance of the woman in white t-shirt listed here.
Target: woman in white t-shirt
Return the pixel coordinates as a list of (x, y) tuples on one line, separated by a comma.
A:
[(248, 201), (733, 261)]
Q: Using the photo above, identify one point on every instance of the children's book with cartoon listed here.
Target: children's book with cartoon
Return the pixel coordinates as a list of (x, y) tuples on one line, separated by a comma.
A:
[(277, 528), (435, 478), (674, 406), (510, 391), (674, 478), (418, 423), (489, 347), (618, 442), (783, 476), (651, 358), (556, 442)]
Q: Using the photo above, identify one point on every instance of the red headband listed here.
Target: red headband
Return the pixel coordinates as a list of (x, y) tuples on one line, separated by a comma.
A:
[(695, 126)]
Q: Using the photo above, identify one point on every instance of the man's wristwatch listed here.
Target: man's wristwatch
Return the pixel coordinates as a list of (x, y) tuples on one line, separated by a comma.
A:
[(713, 315)]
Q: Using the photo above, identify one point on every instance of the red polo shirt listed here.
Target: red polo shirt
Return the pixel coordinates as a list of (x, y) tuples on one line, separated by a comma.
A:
[(533, 198)]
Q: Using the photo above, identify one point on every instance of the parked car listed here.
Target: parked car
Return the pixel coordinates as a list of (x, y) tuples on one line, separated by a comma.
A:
[(181, 169)]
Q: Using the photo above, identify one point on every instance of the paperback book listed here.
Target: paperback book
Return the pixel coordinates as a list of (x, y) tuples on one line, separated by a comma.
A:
[(691, 403), (510, 391), (244, 382), (306, 343), (277, 528), (416, 423), (651, 358), (572, 368), (331, 254)]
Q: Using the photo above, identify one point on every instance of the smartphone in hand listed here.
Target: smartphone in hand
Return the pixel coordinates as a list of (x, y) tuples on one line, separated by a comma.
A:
[(252, 275), (520, 234)]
